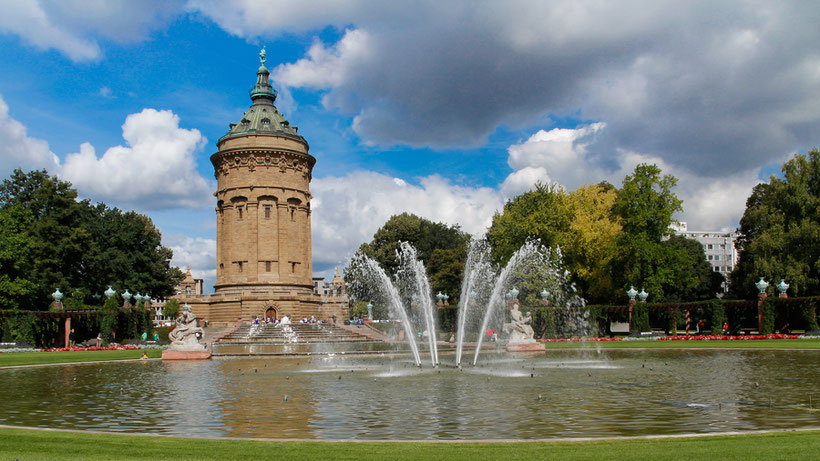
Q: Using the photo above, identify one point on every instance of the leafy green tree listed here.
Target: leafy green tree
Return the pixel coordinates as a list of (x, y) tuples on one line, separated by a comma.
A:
[(442, 248), (780, 231), (16, 249), (670, 270), (580, 222), (646, 202), (76, 246), (60, 240), (537, 214), (171, 308)]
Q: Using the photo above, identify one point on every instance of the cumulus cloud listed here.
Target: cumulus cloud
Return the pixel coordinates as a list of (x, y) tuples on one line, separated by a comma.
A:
[(198, 253), (713, 87), (73, 26), (561, 156), (18, 150), (155, 169), (348, 210)]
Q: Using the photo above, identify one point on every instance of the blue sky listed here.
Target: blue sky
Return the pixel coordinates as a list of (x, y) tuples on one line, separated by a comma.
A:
[(443, 109)]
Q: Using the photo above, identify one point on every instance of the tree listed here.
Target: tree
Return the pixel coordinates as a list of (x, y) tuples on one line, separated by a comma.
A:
[(60, 240), (646, 202), (442, 248), (76, 246), (581, 223), (779, 235), (16, 249), (171, 308), (537, 214), (670, 270)]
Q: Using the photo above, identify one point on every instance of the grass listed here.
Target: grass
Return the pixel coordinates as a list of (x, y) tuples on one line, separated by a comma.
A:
[(648, 344), (40, 358), (38, 444)]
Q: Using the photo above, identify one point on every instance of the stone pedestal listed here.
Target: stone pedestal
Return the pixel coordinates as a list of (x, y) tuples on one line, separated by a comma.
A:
[(202, 354), (526, 347)]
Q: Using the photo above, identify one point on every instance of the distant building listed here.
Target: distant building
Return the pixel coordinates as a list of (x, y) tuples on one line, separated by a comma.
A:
[(719, 247), (334, 295), (189, 285)]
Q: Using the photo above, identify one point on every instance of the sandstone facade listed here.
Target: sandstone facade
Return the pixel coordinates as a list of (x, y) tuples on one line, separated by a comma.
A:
[(263, 172)]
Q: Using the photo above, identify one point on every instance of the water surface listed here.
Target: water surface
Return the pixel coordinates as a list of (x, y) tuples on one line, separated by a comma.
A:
[(558, 394)]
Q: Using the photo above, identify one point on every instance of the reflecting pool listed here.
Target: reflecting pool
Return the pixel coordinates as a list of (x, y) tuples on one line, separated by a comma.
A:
[(570, 393)]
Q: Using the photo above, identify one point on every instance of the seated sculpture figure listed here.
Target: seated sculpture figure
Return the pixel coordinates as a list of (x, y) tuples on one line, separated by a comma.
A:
[(519, 327), (184, 336)]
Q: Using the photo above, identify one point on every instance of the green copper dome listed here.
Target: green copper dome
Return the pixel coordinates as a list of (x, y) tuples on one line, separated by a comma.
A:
[(263, 118)]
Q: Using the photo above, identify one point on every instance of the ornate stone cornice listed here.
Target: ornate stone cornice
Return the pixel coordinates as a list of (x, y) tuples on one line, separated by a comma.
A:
[(253, 158)]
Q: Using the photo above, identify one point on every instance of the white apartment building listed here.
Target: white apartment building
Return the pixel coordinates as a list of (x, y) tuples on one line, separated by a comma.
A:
[(719, 247)]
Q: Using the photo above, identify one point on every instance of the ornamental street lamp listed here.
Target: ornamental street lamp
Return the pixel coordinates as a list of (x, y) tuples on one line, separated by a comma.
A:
[(762, 285), (643, 295), (782, 287), (109, 292), (631, 292)]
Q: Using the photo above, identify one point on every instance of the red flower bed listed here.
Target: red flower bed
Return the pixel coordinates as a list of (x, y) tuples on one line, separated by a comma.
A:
[(726, 337), (679, 338), (93, 348)]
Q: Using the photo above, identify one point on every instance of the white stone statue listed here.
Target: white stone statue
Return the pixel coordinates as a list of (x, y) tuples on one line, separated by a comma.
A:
[(519, 327), (184, 336)]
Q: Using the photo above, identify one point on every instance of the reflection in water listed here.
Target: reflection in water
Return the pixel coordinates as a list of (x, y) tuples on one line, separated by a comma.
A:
[(560, 394)]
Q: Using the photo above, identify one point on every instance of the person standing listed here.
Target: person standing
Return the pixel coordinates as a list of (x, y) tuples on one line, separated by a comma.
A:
[(99, 339), (71, 338)]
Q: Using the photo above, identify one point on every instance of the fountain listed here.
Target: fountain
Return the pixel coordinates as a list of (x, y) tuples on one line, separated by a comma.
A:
[(409, 296)]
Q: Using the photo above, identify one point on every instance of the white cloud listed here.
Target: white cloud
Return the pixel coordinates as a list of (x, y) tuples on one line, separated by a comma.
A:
[(561, 155), (523, 180), (708, 87), (71, 26), (348, 210), (323, 66), (156, 169), (17, 150), (198, 253)]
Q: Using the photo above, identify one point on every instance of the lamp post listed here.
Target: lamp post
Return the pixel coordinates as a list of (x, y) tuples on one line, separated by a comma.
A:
[(761, 296), (782, 287), (631, 292), (58, 300), (643, 295), (370, 311)]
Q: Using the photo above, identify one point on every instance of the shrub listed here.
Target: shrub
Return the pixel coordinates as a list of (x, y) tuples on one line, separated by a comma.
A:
[(640, 318)]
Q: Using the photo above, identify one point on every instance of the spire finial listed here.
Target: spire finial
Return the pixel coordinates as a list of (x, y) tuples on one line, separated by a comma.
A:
[(262, 56)]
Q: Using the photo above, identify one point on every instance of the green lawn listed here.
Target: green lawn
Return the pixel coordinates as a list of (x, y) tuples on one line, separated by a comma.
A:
[(27, 444), (38, 358), (740, 344)]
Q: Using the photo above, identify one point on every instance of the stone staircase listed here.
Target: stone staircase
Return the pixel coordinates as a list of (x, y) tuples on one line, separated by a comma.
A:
[(297, 333)]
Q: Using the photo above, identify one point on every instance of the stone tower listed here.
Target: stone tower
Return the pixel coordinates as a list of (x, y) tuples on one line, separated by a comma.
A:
[(263, 173), (263, 245)]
